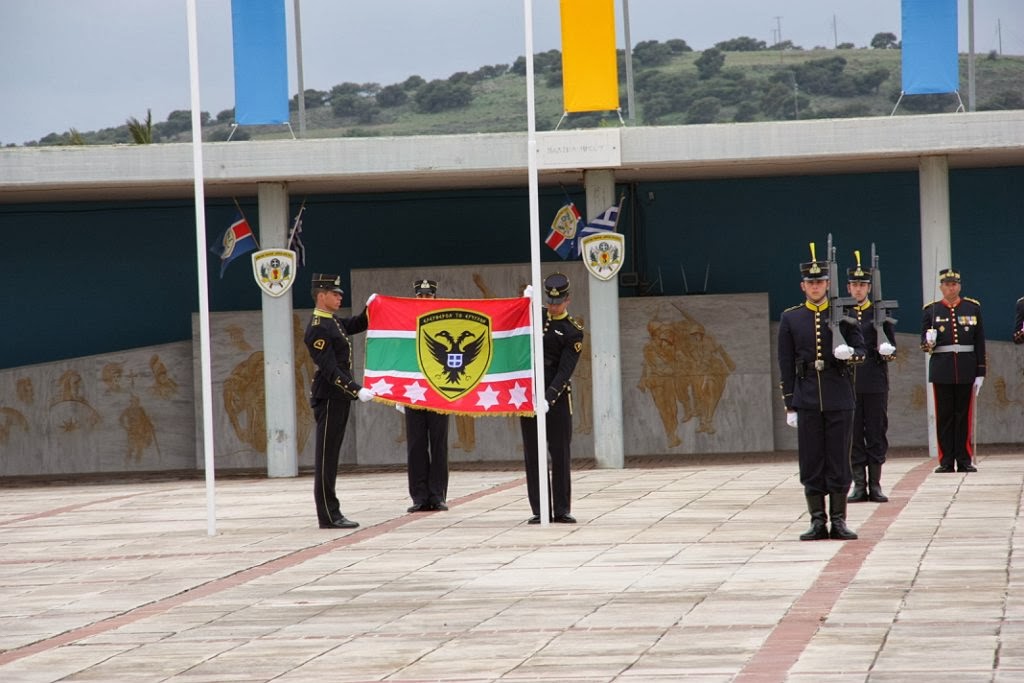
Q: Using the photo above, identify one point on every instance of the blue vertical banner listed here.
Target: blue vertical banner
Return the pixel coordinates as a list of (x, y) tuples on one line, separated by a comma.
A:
[(261, 61), (930, 47)]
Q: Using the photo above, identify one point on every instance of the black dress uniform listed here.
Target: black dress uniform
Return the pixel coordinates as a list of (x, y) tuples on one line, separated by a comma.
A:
[(1018, 323), (331, 396), (563, 341), (957, 359), (819, 387), (426, 441), (871, 384)]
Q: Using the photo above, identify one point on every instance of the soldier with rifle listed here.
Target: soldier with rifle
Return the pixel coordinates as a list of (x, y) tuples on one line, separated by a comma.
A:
[(871, 379), (818, 346)]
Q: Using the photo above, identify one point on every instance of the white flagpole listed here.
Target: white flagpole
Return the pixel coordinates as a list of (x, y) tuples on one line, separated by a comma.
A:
[(204, 295), (538, 286)]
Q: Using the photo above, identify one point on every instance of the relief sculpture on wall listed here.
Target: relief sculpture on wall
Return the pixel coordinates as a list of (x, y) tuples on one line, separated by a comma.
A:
[(683, 366)]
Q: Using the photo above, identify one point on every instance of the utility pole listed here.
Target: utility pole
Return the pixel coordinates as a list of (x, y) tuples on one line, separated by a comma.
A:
[(970, 56), (999, 33), (630, 97), (835, 33), (778, 23), (298, 67)]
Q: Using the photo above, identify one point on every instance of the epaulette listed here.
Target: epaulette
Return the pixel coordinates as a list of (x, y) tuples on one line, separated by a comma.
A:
[(793, 308), (576, 323), (315, 321), (931, 303), (973, 301)]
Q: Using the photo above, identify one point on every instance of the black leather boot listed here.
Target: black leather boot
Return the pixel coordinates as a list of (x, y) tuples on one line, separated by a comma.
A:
[(837, 510), (860, 491), (875, 494), (819, 520)]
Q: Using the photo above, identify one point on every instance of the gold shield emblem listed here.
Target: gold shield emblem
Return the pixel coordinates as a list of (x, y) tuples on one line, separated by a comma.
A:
[(454, 349)]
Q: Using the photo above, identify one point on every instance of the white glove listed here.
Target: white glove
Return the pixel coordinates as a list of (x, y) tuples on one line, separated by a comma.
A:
[(978, 381), (791, 418), (366, 394), (528, 292), (371, 298), (886, 349), (931, 335), (400, 408), (544, 408), (843, 352)]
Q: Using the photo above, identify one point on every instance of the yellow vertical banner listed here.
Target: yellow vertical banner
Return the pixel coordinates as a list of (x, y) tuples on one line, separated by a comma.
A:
[(590, 80)]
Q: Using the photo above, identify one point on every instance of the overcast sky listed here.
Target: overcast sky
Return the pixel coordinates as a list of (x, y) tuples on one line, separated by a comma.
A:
[(90, 64)]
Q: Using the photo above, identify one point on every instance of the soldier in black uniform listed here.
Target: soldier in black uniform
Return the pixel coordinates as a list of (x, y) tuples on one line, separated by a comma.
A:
[(953, 334), (871, 383), (332, 392), (1018, 323), (817, 388), (426, 439), (563, 341)]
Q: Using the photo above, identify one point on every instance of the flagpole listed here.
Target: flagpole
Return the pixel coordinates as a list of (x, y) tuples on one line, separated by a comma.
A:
[(537, 348), (204, 295)]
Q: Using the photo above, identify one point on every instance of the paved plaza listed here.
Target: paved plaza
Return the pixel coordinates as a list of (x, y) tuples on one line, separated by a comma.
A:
[(685, 572)]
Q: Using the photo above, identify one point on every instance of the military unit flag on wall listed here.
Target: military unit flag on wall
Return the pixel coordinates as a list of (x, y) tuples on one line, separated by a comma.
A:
[(462, 356), (567, 222), (295, 238), (606, 221), (236, 241)]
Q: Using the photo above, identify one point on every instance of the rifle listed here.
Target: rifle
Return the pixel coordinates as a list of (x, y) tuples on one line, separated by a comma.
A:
[(882, 306), (836, 304)]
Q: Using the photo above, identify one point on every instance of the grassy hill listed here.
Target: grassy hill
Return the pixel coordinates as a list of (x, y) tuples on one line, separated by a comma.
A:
[(748, 86)]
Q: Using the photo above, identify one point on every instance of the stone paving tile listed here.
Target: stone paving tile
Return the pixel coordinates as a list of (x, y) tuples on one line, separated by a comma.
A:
[(675, 573)]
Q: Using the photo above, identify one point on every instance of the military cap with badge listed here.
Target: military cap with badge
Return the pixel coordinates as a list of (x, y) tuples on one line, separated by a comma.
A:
[(556, 288), (331, 283), (423, 287)]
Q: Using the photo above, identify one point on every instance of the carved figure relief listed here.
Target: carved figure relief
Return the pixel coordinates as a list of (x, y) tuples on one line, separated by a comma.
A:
[(11, 419), (25, 391), (683, 366), (237, 336), (139, 430), (164, 385), (244, 402), (70, 412), (111, 376)]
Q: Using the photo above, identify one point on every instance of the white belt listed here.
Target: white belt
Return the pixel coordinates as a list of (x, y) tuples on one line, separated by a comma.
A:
[(954, 348)]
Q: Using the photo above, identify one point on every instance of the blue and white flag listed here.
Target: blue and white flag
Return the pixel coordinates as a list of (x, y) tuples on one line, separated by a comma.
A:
[(295, 238), (606, 221)]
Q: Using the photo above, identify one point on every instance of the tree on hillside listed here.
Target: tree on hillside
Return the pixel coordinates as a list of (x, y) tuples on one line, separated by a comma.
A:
[(678, 46), (709, 63), (412, 83), (392, 96), (704, 110), (142, 131), (884, 41), (741, 44), (652, 53), (845, 46), (437, 96)]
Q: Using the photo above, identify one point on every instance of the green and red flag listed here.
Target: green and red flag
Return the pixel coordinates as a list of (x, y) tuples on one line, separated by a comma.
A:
[(463, 356)]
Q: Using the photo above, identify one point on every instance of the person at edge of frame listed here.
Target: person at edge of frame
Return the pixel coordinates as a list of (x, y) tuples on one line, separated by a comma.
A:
[(563, 341), (426, 442), (871, 385), (817, 389), (953, 335), (332, 391), (1018, 323)]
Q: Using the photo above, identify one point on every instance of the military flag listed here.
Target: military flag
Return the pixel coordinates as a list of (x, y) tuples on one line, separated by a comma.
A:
[(236, 241), (462, 356), (562, 237), (590, 79), (295, 237), (606, 221)]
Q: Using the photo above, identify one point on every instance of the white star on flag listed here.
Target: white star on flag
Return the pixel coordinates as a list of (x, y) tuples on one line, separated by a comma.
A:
[(518, 395), (381, 387), (488, 398), (415, 392)]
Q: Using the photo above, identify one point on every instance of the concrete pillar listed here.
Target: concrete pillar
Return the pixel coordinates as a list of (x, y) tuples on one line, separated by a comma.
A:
[(936, 253), (278, 351), (603, 333)]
